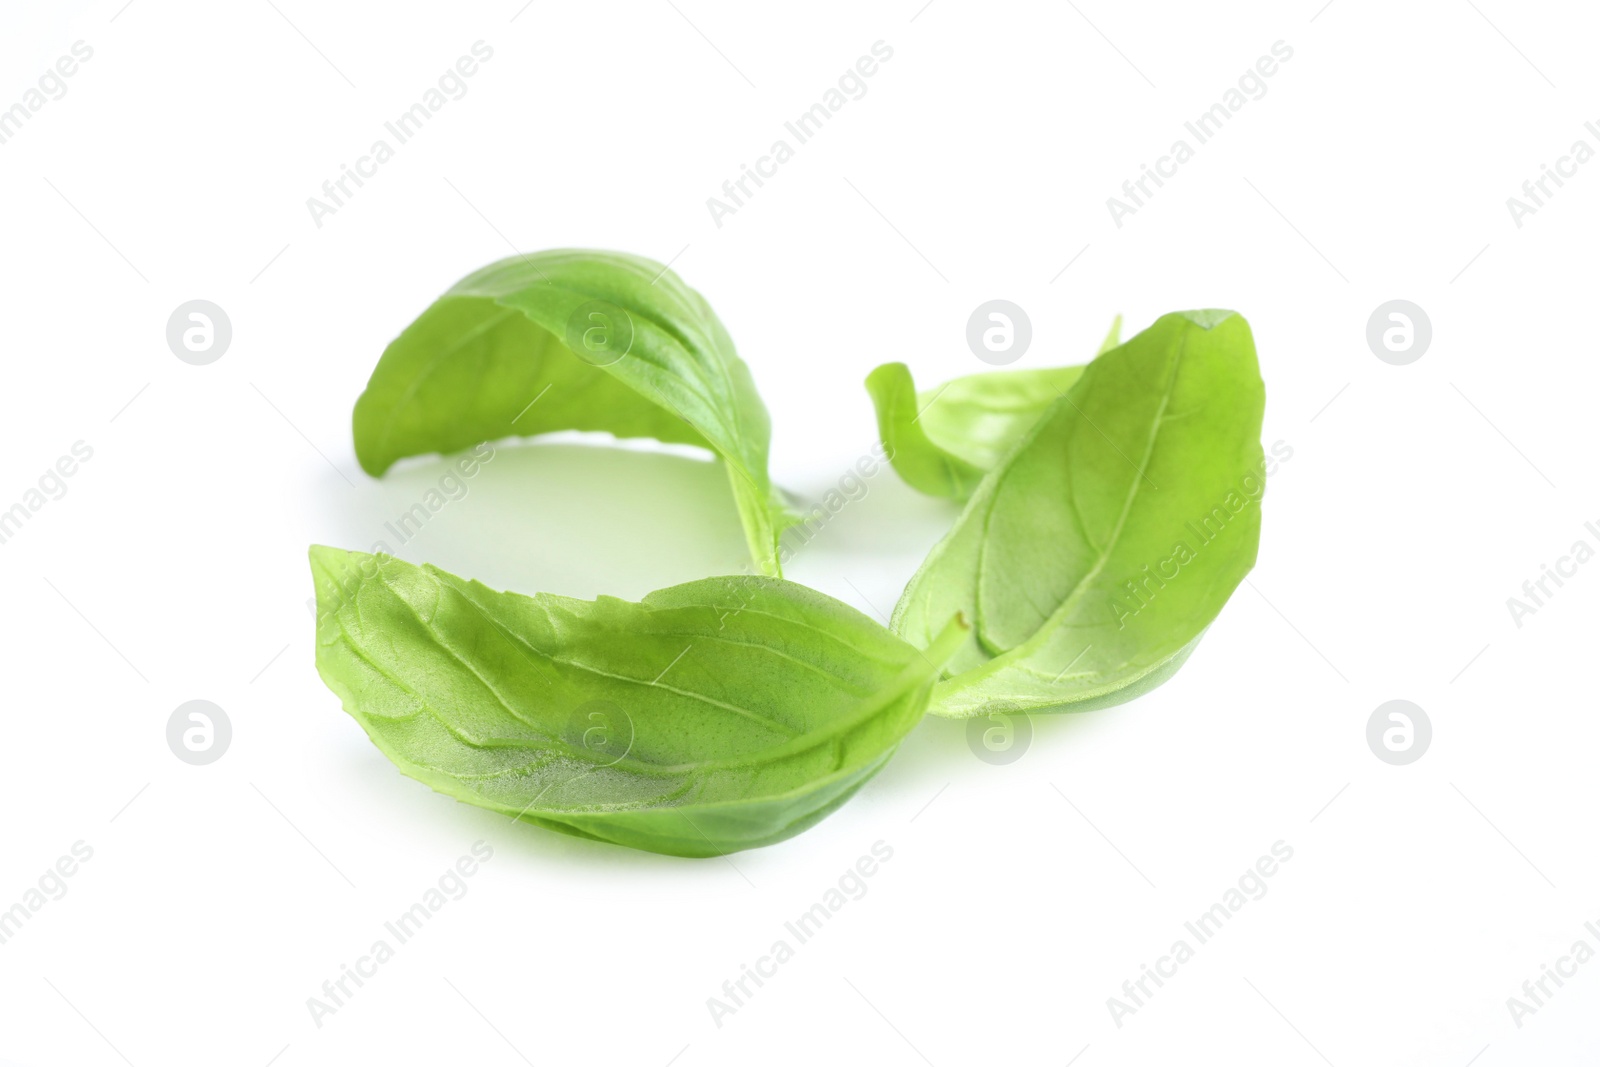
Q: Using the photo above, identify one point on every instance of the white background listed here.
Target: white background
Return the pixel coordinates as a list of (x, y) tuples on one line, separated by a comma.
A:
[(1019, 898)]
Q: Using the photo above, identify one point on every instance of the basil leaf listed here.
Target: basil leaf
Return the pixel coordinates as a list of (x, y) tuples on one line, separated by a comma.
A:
[(574, 340), (719, 715), (1095, 555), (943, 441)]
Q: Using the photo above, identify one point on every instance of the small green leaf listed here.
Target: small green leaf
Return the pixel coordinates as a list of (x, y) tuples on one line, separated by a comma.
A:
[(574, 340), (714, 716), (1098, 551), (943, 441)]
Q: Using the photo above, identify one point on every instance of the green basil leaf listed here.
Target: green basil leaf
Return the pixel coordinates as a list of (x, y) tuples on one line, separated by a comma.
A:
[(943, 441), (574, 340), (719, 715), (1094, 556)]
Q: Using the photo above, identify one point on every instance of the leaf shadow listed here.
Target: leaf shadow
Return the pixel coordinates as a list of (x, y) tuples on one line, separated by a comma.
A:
[(553, 517)]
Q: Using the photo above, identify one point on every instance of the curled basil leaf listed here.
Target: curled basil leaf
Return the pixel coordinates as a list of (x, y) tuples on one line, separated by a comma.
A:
[(943, 441), (1093, 557), (574, 340), (719, 715)]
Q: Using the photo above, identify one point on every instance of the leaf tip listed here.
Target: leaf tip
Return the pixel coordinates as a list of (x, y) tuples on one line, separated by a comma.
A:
[(886, 376), (322, 555), (1208, 318)]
